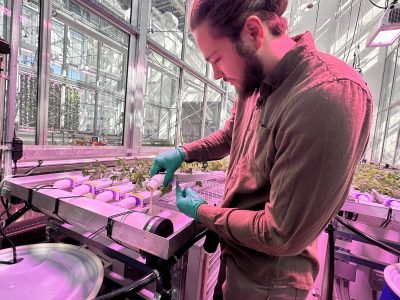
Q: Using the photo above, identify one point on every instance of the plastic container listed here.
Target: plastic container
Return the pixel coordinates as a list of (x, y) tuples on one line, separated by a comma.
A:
[(391, 290), (157, 181), (115, 193), (130, 202), (95, 186), (70, 182), (392, 202)]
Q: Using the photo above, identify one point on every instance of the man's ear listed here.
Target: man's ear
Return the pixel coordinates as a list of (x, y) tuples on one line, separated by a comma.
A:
[(253, 32)]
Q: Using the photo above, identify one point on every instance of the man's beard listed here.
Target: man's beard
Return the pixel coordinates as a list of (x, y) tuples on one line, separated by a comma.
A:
[(253, 73)]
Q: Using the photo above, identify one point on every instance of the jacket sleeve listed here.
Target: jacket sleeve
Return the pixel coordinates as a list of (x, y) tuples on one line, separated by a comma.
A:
[(319, 144), (213, 147)]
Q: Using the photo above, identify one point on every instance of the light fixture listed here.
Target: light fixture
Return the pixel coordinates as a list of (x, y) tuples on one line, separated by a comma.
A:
[(388, 29)]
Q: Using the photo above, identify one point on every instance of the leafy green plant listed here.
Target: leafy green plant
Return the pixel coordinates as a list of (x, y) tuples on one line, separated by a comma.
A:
[(137, 172), (165, 189), (218, 165), (215, 165), (370, 176), (96, 170), (199, 184)]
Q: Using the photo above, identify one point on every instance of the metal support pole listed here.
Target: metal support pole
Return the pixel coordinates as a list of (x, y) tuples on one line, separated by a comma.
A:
[(204, 111), (140, 78), (44, 71), (3, 64), (12, 88), (224, 108)]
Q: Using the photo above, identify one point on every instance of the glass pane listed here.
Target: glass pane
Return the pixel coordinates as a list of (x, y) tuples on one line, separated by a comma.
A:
[(121, 8), (160, 101), (213, 111), (227, 112), (192, 107), (387, 80), (194, 57), (89, 19), (5, 29), (396, 84), (5, 19), (162, 63), (27, 100), (110, 119), (167, 24), (231, 91), (391, 136), (378, 136), (88, 59)]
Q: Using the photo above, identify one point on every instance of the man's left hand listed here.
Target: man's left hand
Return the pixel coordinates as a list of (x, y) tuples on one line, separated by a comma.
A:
[(188, 201)]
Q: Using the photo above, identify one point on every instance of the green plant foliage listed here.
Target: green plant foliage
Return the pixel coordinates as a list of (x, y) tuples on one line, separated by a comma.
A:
[(165, 189), (215, 165), (135, 172), (218, 165), (385, 181), (199, 183), (96, 170)]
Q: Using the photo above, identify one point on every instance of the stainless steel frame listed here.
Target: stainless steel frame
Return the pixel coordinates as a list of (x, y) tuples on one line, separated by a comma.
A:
[(140, 76), (12, 88), (136, 82), (92, 216)]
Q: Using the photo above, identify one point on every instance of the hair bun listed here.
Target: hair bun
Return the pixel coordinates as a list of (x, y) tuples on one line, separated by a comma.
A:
[(277, 7)]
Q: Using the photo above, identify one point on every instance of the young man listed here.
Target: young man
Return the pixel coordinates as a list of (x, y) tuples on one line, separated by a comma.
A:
[(298, 128)]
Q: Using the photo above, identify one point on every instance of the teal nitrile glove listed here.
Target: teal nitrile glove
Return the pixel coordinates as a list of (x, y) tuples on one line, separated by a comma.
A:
[(188, 201), (168, 161)]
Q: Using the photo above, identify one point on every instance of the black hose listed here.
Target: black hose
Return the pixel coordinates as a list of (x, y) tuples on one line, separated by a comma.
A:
[(131, 288), (14, 250), (368, 238), (374, 4)]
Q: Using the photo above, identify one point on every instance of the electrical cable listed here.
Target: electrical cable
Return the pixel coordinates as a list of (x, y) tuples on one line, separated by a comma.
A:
[(155, 274), (368, 238), (354, 32), (389, 218), (348, 29), (131, 288), (330, 229), (14, 250), (92, 236), (40, 162), (316, 20), (7, 207), (377, 5)]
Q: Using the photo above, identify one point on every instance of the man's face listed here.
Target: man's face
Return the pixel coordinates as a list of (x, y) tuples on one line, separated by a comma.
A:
[(253, 73), (236, 63)]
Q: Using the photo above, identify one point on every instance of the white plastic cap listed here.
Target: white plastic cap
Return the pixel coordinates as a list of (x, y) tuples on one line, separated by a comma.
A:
[(155, 182), (81, 190), (62, 184), (105, 196)]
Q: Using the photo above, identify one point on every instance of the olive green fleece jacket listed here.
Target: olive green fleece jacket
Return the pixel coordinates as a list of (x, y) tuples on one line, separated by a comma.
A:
[(294, 146)]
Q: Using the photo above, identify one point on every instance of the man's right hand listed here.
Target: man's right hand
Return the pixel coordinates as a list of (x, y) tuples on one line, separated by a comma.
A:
[(168, 161)]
